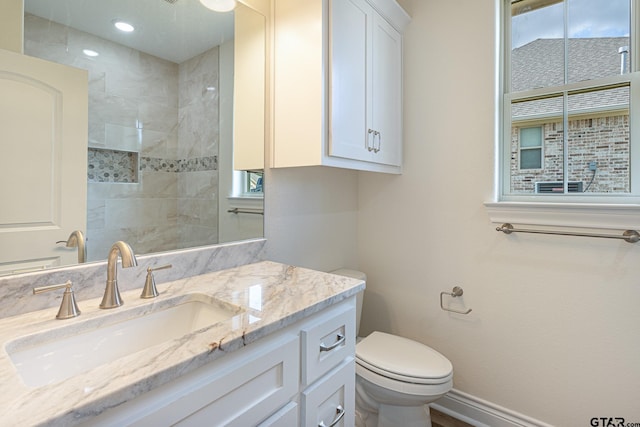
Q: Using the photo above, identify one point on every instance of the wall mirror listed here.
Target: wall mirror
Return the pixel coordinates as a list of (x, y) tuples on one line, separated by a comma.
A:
[(163, 101)]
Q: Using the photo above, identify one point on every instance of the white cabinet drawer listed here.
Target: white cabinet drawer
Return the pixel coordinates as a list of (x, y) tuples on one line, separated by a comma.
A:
[(285, 417), (327, 342), (250, 393), (331, 400), (242, 389)]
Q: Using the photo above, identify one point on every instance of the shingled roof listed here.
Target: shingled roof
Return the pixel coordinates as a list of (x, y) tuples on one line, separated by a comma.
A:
[(540, 64)]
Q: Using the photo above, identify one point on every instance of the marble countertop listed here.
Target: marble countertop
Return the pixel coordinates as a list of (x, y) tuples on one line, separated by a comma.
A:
[(269, 297)]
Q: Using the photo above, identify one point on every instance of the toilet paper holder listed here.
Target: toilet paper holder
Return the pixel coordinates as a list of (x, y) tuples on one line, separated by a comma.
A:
[(455, 292)]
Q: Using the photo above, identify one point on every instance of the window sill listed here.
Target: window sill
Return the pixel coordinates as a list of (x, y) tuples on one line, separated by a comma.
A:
[(246, 201), (582, 215)]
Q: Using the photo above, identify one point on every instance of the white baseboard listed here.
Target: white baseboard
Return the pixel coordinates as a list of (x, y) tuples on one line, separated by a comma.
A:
[(480, 413)]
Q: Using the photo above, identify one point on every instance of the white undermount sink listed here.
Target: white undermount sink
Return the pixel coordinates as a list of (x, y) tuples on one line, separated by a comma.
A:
[(52, 356)]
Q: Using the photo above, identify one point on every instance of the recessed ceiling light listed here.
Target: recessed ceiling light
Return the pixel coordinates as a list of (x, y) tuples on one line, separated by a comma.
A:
[(123, 26), (90, 52), (219, 5)]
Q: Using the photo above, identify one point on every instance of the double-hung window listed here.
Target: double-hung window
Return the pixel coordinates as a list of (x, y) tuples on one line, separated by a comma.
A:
[(570, 102)]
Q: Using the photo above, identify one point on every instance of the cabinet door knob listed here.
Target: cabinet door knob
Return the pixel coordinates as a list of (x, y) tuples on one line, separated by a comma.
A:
[(379, 135)]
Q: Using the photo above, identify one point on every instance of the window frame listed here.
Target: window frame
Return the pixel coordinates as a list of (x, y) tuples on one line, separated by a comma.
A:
[(591, 211), (241, 199), (247, 182), (241, 185)]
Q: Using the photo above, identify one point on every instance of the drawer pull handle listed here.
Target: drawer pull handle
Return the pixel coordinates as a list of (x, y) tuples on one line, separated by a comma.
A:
[(336, 420), (339, 340)]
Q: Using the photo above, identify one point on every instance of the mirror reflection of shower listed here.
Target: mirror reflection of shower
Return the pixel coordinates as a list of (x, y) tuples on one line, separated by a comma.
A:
[(156, 128), (152, 144)]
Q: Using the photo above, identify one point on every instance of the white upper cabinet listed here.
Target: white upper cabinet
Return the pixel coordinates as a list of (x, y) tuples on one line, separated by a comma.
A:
[(338, 84), (386, 96)]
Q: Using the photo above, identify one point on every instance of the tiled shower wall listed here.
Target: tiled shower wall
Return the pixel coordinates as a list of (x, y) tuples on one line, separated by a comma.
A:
[(198, 134), (167, 114)]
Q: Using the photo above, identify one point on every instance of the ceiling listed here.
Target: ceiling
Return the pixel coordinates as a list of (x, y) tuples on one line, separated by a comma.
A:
[(175, 30)]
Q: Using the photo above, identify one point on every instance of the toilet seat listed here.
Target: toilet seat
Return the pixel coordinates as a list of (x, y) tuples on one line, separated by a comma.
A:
[(401, 359)]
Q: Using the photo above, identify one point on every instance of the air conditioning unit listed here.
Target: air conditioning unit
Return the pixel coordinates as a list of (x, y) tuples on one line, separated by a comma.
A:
[(558, 187)]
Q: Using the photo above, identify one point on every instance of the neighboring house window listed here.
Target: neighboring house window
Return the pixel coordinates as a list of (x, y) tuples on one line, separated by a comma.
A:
[(568, 85), (531, 148)]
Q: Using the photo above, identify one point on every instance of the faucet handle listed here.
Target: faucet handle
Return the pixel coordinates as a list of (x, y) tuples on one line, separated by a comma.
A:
[(68, 307), (150, 290)]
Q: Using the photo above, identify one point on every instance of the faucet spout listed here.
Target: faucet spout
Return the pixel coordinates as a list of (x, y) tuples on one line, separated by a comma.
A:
[(111, 298), (76, 240)]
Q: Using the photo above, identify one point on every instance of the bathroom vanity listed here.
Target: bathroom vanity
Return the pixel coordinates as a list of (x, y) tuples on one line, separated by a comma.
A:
[(260, 344)]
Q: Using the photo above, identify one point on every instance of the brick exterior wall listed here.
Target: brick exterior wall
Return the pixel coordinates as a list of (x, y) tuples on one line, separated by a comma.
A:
[(604, 140)]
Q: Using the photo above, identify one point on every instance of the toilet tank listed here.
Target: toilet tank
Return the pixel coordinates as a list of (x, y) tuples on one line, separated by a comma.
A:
[(359, 297)]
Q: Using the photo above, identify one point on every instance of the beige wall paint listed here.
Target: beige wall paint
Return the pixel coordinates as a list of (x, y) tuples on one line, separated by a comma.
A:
[(11, 20), (555, 328), (310, 217)]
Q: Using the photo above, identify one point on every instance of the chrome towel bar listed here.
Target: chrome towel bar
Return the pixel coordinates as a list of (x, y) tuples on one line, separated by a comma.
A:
[(245, 211), (455, 292), (630, 236)]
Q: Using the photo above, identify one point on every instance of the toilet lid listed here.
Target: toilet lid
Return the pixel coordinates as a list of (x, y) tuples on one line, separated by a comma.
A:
[(403, 359)]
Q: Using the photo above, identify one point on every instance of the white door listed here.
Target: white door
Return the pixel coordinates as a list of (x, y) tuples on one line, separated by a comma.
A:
[(350, 56), (43, 161)]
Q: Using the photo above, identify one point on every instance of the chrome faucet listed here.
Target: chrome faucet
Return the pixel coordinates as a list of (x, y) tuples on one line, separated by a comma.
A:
[(111, 298), (76, 239)]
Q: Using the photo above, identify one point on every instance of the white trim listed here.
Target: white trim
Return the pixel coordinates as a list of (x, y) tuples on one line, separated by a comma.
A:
[(505, 96), (248, 202), (393, 13), (480, 413), (582, 215)]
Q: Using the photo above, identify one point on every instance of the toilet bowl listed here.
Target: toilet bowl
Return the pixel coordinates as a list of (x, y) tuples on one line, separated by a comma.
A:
[(396, 378)]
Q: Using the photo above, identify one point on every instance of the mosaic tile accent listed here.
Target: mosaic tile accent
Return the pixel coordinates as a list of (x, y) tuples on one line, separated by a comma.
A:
[(156, 164), (120, 166), (112, 165)]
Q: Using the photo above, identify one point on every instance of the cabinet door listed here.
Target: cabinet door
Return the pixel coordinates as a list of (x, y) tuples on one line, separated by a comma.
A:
[(387, 93), (331, 400), (350, 85)]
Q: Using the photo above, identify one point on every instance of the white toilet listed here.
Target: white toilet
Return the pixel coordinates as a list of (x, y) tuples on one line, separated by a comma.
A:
[(396, 378)]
